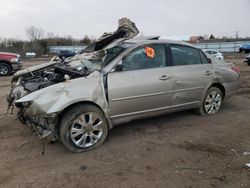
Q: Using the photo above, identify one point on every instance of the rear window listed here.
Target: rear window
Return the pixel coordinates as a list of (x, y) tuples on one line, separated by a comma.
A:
[(185, 55)]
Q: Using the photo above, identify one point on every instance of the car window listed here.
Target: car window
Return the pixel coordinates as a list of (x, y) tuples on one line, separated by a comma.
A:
[(204, 58), (184, 55), (213, 52), (149, 56)]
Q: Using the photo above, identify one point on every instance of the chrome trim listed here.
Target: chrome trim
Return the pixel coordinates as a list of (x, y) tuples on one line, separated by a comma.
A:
[(155, 109), (155, 94)]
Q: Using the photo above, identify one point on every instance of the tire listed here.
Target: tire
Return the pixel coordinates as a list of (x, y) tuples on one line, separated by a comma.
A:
[(248, 63), (83, 127), (5, 69), (210, 108)]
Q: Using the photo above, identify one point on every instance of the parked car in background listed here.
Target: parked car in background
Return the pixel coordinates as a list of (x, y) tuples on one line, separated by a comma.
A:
[(245, 48), (65, 54), (215, 54), (247, 59), (30, 54), (127, 80), (9, 62)]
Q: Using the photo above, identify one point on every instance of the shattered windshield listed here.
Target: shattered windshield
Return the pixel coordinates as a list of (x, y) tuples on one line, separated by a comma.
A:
[(95, 61)]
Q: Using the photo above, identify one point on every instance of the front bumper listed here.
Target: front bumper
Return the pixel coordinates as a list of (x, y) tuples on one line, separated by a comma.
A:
[(45, 125), (17, 66)]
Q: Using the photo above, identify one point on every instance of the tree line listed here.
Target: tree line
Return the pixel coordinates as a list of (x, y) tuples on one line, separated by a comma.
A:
[(39, 41)]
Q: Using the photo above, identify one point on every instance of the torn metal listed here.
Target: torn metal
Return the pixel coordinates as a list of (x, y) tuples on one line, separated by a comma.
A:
[(41, 93)]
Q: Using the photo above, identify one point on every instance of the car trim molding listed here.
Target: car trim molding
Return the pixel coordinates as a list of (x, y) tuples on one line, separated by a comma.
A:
[(155, 94), (154, 109)]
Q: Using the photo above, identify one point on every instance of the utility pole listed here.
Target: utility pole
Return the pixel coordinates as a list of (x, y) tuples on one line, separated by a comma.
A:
[(237, 34)]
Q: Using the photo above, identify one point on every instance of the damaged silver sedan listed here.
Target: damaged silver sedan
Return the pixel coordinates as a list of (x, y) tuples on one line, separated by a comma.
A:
[(118, 79)]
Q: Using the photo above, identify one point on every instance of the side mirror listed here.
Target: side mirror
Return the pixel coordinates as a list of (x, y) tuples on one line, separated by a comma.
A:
[(118, 68)]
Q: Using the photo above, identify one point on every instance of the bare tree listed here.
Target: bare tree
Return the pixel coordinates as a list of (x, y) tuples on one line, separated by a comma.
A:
[(34, 33), (50, 35), (205, 36), (86, 40)]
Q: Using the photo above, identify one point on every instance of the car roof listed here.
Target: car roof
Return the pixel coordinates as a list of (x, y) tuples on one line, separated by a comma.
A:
[(147, 41)]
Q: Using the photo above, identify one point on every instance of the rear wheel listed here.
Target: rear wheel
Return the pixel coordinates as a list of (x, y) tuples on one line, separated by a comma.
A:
[(211, 102), (84, 127), (5, 69)]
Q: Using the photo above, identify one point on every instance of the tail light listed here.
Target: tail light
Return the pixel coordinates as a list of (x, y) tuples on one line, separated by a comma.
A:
[(236, 69)]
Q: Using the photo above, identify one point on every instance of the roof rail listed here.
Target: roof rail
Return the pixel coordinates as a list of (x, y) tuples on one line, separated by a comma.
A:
[(153, 37)]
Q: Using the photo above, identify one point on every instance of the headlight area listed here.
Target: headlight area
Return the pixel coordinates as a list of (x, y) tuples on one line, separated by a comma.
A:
[(14, 60), (45, 124)]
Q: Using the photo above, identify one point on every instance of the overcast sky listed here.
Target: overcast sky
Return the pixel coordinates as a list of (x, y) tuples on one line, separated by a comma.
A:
[(152, 17)]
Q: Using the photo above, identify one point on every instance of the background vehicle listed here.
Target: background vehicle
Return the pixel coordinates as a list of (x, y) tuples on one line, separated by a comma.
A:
[(215, 54), (30, 54), (245, 48), (9, 62), (65, 54), (247, 60)]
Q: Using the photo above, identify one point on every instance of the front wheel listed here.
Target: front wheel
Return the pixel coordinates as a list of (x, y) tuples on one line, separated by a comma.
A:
[(5, 69), (211, 102), (83, 127)]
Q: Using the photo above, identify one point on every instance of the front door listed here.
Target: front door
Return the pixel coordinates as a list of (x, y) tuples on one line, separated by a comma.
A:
[(144, 84)]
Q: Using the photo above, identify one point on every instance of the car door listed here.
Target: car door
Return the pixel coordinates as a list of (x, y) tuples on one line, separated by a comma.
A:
[(192, 73), (144, 84)]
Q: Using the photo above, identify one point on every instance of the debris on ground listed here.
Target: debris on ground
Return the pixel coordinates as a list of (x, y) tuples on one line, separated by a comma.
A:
[(22, 144), (235, 152), (247, 165), (83, 167)]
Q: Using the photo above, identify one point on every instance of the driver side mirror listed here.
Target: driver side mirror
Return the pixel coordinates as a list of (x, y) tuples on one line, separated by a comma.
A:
[(118, 68)]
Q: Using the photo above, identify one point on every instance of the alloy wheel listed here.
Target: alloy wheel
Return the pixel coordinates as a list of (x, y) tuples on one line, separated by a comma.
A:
[(3, 70), (212, 102), (87, 129)]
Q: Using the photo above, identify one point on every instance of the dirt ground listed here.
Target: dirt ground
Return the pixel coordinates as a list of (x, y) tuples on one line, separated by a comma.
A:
[(176, 150)]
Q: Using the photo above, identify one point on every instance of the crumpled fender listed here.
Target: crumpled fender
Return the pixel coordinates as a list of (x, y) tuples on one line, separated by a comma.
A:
[(57, 97)]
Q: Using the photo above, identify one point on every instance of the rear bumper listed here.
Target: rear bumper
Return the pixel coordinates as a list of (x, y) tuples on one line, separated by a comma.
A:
[(231, 88), (17, 66)]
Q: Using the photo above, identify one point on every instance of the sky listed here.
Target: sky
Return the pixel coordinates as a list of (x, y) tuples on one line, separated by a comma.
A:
[(93, 17)]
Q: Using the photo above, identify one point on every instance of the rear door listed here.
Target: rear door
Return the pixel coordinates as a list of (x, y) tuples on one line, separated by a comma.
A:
[(192, 73), (144, 84)]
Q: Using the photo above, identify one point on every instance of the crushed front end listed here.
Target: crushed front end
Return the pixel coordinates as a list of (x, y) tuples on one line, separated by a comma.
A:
[(40, 93)]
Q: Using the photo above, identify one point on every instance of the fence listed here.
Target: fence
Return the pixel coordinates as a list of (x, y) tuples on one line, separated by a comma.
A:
[(56, 49), (222, 46)]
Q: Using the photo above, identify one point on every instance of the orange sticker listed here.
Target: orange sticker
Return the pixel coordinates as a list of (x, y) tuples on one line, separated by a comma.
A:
[(150, 52)]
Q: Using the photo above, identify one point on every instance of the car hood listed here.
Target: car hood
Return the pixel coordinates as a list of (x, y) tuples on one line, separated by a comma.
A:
[(57, 97), (8, 56), (33, 68)]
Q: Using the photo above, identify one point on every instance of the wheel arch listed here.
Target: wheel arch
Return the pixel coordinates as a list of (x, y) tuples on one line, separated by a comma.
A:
[(61, 114), (221, 87)]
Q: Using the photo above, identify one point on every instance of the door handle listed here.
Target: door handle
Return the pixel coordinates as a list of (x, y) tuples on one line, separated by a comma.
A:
[(208, 73), (164, 77)]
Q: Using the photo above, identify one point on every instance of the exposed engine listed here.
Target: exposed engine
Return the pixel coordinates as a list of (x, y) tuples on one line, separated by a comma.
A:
[(42, 78)]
